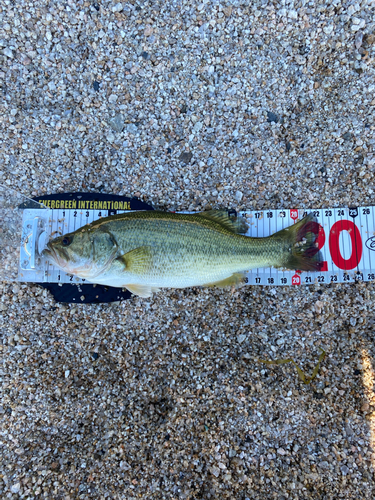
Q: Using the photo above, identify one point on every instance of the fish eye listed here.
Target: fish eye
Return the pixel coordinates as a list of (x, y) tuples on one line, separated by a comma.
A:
[(66, 241)]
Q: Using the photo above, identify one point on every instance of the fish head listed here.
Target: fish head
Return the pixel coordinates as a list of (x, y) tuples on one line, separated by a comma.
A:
[(84, 253)]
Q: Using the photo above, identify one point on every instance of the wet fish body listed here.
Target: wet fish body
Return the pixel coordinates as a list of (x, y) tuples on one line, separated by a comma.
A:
[(146, 251)]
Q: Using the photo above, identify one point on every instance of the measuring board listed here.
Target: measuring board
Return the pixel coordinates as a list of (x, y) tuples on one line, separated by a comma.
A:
[(346, 238)]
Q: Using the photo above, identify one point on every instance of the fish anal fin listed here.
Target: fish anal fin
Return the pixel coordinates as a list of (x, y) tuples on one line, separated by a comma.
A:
[(144, 291), (137, 261), (233, 280), (236, 225)]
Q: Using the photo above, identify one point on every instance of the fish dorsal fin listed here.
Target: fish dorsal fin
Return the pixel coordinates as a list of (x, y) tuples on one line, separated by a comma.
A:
[(144, 291), (236, 225), (137, 261)]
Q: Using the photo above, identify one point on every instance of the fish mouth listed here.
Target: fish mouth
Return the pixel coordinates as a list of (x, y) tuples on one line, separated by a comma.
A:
[(52, 255)]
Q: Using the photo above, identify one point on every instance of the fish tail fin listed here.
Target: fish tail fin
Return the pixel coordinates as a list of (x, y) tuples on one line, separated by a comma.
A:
[(302, 252)]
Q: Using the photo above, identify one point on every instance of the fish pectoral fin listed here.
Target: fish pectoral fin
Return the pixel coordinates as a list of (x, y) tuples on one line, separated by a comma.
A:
[(233, 280), (137, 261), (144, 291), (235, 224)]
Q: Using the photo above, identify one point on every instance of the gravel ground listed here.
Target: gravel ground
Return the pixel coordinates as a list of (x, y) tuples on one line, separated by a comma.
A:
[(189, 106)]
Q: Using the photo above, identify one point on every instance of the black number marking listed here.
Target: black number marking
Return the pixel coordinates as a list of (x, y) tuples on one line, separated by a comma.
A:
[(359, 277), (100, 214), (340, 213), (320, 279), (366, 211), (328, 213), (71, 278), (269, 215), (308, 279), (282, 214), (346, 277), (63, 213), (257, 280), (284, 280), (75, 213), (257, 215), (271, 280), (58, 277), (333, 277), (371, 276), (316, 213), (87, 213), (304, 215)]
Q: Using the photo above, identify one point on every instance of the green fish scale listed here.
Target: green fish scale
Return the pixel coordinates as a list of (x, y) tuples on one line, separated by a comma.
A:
[(185, 246)]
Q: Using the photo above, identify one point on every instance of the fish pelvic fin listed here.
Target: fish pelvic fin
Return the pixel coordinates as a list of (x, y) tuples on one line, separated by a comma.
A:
[(302, 252), (236, 225), (234, 280), (137, 261), (144, 291)]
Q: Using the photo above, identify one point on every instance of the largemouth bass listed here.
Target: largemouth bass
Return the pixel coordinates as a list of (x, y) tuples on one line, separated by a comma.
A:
[(145, 251)]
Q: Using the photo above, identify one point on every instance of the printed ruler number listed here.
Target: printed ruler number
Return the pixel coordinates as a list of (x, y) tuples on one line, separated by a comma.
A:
[(334, 246)]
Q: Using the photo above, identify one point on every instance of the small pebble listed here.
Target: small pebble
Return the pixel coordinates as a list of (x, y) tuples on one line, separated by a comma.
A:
[(344, 470), (353, 321), (241, 338), (8, 52), (15, 488), (117, 123), (318, 306), (186, 157), (239, 196), (272, 117)]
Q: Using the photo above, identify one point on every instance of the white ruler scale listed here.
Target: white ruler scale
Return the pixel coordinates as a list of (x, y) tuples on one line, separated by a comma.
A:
[(346, 238)]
